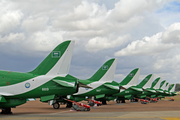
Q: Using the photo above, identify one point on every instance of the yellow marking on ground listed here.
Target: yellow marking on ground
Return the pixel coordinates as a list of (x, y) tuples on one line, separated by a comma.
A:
[(171, 118)]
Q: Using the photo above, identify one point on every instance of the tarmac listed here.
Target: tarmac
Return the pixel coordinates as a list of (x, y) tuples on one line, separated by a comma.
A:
[(36, 110)]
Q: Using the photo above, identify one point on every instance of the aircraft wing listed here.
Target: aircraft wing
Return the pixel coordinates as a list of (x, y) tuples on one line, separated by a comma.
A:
[(153, 91), (161, 91), (64, 83)]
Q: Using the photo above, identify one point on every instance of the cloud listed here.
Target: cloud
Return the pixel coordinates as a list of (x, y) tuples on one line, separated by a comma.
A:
[(157, 43), (32, 24), (12, 38), (132, 27), (9, 18), (172, 34), (100, 43)]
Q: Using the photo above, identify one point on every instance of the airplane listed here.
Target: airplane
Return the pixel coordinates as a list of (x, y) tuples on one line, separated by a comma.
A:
[(99, 85), (47, 81), (166, 92), (151, 92), (160, 90), (130, 80), (134, 91), (171, 90)]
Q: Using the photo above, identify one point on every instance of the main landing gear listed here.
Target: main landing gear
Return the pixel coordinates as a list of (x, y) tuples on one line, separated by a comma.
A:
[(69, 105), (6, 111), (56, 105), (104, 102)]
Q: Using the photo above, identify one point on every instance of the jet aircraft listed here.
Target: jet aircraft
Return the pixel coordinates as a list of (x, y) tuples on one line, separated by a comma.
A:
[(46, 82)]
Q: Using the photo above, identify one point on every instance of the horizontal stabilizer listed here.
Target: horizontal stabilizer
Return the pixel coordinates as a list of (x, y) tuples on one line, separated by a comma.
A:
[(64, 83), (111, 86), (47, 98), (2, 99), (100, 96), (83, 85), (160, 91), (153, 91), (137, 89)]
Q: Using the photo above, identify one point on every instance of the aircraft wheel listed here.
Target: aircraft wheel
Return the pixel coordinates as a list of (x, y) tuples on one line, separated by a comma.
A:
[(123, 101), (118, 101), (56, 105), (104, 102), (6, 111), (69, 105)]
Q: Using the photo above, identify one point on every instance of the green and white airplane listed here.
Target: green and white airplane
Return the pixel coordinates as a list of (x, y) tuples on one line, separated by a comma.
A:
[(171, 90), (160, 90), (151, 92), (134, 91), (99, 85), (130, 80), (47, 81)]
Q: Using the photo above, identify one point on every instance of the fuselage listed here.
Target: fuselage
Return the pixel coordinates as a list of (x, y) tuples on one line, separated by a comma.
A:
[(98, 88), (27, 85)]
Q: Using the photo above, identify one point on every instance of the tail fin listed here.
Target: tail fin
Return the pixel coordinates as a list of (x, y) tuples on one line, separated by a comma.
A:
[(172, 88), (145, 81), (106, 71), (156, 83), (167, 86), (131, 79), (149, 82), (58, 61), (163, 85)]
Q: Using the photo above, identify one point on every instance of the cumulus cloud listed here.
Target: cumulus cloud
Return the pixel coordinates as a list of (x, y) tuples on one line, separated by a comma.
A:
[(155, 44), (172, 34), (12, 38), (32, 24), (100, 43), (97, 29), (9, 18)]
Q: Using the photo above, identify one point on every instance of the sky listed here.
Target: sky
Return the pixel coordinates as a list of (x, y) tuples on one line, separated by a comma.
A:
[(141, 34)]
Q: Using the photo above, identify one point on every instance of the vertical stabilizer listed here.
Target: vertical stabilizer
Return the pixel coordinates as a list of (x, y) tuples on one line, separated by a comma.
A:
[(172, 88), (144, 81), (58, 61), (163, 85), (149, 82), (106, 71), (167, 86), (131, 79), (156, 83)]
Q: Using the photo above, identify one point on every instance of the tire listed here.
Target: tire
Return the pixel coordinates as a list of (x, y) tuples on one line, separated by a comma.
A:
[(56, 105), (117, 101), (6, 111)]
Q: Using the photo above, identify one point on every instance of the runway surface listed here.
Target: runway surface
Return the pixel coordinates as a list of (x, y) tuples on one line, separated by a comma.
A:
[(162, 110)]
